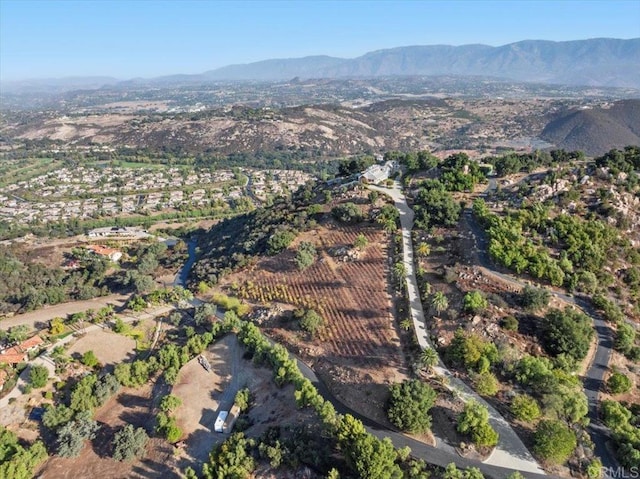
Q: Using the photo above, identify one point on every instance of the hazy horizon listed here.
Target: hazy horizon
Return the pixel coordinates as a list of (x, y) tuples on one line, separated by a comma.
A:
[(129, 39)]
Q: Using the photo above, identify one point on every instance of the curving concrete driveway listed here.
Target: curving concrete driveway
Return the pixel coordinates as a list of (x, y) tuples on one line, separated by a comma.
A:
[(510, 452), (593, 380)]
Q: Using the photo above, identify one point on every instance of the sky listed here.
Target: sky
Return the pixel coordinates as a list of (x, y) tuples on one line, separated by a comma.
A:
[(147, 38)]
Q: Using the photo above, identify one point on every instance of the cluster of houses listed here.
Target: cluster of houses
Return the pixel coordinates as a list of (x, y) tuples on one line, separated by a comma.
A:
[(91, 192), (102, 192), (276, 182), (19, 352)]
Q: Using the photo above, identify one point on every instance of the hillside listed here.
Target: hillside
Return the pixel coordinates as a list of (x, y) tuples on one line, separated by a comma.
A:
[(596, 130), (319, 130)]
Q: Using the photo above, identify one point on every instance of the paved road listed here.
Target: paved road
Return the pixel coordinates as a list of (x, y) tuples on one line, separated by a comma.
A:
[(510, 451), (593, 379), (430, 454), (61, 310)]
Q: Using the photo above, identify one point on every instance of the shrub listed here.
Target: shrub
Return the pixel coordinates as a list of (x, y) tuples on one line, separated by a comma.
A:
[(486, 384), (510, 323), (534, 299), (525, 408), (89, 359), (474, 421), (474, 302), (618, 383), (554, 441), (311, 322), (38, 376)]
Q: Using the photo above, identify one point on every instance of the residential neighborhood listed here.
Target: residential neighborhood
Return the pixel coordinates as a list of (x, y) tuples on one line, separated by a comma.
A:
[(92, 192)]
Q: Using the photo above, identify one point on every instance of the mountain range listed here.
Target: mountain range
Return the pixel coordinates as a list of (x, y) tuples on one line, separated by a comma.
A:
[(598, 62)]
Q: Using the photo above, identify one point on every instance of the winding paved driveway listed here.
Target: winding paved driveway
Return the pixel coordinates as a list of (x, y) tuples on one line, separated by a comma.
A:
[(510, 452), (593, 380)]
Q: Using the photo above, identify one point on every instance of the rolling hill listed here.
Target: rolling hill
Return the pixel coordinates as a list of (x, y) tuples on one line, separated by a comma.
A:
[(596, 130)]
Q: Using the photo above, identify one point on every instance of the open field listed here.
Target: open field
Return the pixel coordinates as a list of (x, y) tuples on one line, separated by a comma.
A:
[(109, 347)]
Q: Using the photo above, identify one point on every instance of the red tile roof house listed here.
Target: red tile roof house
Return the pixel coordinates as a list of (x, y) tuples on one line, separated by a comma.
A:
[(18, 353)]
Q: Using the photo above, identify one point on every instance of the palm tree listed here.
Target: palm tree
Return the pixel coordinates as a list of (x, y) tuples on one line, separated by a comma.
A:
[(439, 302), (406, 324), (428, 359), (424, 249)]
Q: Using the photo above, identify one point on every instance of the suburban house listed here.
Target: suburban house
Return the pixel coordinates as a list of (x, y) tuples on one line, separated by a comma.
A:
[(377, 173), (111, 253), (18, 353)]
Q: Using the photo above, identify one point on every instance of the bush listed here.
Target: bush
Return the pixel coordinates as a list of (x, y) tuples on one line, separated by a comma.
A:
[(486, 384), (474, 302), (618, 383), (311, 322), (409, 405), (129, 443), (525, 408), (474, 421), (534, 299), (89, 359), (510, 323), (38, 376), (242, 400), (554, 441)]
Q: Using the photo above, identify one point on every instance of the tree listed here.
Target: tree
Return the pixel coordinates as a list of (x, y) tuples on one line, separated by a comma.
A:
[(618, 383), (38, 376), (554, 441), (129, 443), (534, 299), (474, 302), (90, 359), (204, 313), (243, 398), (55, 416), (72, 435), (625, 338), (347, 213), (409, 405), (439, 302), (170, 403), (525, 408), (311, 322), (474, 421), (567, 332), (305, 256), (56, 326), (232, 459), (280, 240), (18, 333), (360, 242)]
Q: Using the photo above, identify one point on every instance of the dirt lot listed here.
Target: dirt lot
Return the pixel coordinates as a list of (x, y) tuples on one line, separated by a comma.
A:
[(358, 352), (109, 347), (132, 406), (204, 394)]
